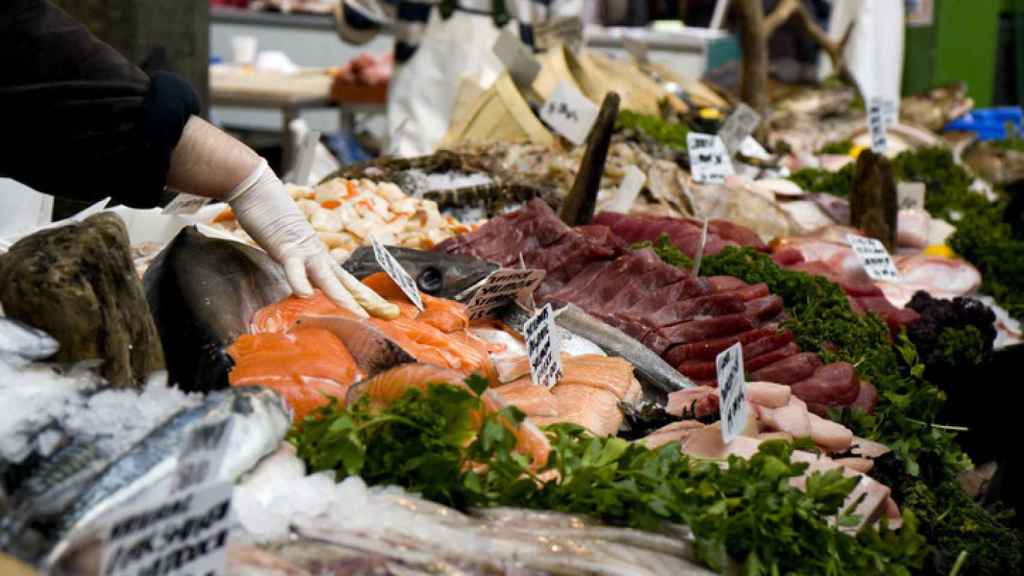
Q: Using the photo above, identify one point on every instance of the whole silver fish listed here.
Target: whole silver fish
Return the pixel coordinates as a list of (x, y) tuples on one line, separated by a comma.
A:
[(651, 369), (436, 273), (79, 485)]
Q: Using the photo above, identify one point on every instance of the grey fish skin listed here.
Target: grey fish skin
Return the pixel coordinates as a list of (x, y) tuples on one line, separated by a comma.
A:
[(437, 274), (25, 342), (260, 419), (617, 343), (371, 349)]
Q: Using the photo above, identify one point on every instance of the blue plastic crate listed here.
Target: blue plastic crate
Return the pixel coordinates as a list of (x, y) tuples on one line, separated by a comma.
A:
[(988, 123)]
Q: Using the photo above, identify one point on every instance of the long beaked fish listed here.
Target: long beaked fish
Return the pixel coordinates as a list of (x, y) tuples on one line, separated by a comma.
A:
[(203, 294), (60, 506), (651, 369), (437, 274)]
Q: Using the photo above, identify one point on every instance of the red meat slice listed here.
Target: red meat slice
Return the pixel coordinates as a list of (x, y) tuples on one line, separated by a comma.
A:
[(831, 385), (789, 370)]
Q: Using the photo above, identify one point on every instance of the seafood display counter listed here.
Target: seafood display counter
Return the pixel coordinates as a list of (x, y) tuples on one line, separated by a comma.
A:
[(564, 359)]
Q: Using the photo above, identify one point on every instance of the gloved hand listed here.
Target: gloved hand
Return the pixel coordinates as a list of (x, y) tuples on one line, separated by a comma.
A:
[(267, 213)]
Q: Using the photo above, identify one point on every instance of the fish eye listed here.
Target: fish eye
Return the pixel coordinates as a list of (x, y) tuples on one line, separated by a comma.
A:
[(430, 280)]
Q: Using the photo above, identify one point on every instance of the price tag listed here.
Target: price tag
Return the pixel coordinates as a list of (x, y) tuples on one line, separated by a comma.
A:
[(700, 248), (394, 269), (910, 195), (630, 187), (570, 113), (517, 58), (544, 349), (709, 159), (501, 288), (738, 126), (636, 48), (305, 157), (732, 391), (881, 111), (873, 257), (202, 454), (566, 30), (186, 204), (184, 535)]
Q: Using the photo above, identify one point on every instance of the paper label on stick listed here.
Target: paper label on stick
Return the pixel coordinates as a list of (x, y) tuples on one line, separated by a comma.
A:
[(632, 183), (874, 258), (881, 113), (501, 288), (518, 58), (709, 159), (570, 113), (201, 456), (186, 204), (910, 195), (394, 269), (732, 391), (544, 347), (738, 126), (183, 535)]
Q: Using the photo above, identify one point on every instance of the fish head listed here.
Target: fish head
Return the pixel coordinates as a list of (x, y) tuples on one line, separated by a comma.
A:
[(436, 273)]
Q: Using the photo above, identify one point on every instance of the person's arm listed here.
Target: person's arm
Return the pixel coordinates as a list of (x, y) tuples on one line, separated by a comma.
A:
[(210, 163)]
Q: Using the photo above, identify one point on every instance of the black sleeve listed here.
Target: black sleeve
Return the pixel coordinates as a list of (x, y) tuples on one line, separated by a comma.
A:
[(76, 118)]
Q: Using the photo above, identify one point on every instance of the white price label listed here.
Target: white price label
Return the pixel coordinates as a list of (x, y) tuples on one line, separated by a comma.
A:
[(873, 257), (881, 114), (184, 535), (305, 157), (732, 391), (570, 113), (394, 269), (738, 126), (186, 204), (632, 183), (544, 349), (700, 248), (202, 454), (709, 160), (501, 288), (910, 195), (517, 57)]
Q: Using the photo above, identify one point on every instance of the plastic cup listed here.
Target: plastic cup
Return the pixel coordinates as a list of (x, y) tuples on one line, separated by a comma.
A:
[(244, 48)]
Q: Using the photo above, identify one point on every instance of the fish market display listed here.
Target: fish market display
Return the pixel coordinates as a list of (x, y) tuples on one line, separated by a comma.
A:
[(311, 350), (77, 448), (685, 234), (347, 212), (687, 320)]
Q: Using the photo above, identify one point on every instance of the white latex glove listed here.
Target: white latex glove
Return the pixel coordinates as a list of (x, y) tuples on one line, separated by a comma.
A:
[(268, 214)]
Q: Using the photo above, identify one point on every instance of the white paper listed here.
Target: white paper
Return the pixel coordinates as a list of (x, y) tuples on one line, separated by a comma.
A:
[(570, 113), (881, 112), (394, 269), (874, 258), (738, 126), (202, 454), (517, 58), (732, 390), (632, 183), (544, 348), (910, 195), (184, 535), (501, 288), (709, 159), (186, 204)]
